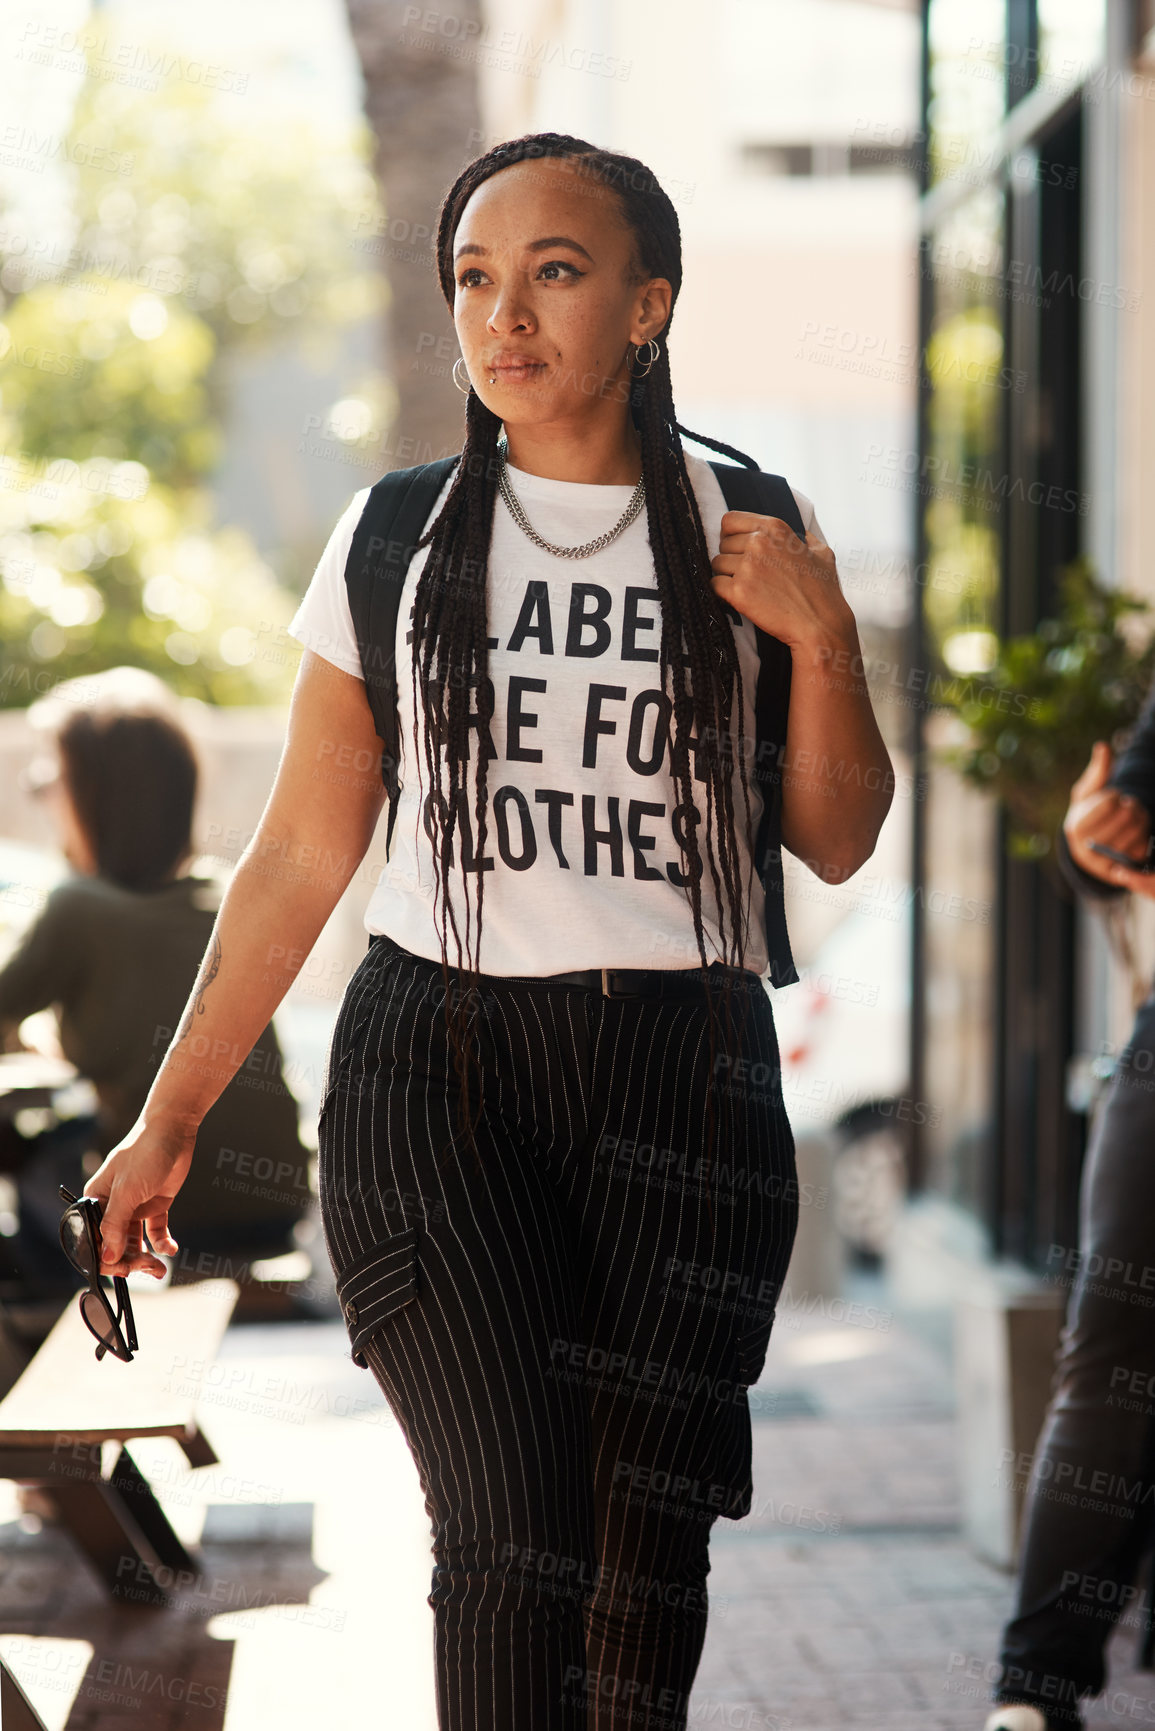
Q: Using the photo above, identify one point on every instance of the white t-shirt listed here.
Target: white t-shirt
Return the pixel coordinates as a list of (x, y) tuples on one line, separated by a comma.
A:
[(585, 859)]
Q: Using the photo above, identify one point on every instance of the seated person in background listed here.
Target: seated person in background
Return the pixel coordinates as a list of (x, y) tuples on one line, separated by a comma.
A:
[(115, 951)]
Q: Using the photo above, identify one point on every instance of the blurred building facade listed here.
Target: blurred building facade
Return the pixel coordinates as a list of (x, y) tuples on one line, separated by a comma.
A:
[(1037, 236)]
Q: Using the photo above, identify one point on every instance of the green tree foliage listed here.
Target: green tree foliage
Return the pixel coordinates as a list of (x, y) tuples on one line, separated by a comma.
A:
[(193, 238), (117, 373), (249, 232)]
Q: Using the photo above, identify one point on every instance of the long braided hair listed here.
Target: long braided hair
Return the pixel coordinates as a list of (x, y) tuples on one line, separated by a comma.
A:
[(450, 616)]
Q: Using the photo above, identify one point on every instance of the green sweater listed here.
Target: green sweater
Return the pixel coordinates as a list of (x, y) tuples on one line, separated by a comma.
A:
[(118, 966)]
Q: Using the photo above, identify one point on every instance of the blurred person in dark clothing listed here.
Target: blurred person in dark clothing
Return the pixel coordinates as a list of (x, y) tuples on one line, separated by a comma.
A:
[(1090, 1505), (115, 951)]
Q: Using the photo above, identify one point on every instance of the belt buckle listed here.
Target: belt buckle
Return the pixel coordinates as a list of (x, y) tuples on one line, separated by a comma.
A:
[(607, 989)]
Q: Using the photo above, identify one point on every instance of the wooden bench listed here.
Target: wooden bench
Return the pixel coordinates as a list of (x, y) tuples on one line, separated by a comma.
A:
[(16, 1711), (66, 1404)]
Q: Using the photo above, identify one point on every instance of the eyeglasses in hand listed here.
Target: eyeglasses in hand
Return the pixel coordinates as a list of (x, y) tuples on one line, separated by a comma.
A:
[(80, 1238)]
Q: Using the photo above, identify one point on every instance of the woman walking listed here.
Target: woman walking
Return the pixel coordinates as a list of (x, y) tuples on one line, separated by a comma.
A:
[(557, 1178)]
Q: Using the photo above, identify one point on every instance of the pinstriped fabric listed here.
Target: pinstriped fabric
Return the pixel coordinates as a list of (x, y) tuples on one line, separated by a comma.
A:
[(563, 1332)]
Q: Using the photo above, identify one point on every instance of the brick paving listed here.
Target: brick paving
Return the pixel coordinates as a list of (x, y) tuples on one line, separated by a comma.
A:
[(846, 1598)]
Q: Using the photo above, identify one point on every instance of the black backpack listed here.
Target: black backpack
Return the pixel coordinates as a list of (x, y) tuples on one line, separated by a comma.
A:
[(384, 542)]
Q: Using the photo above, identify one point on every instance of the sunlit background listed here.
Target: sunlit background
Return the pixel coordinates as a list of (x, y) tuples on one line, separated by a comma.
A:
[(203, 363), (219, 320)]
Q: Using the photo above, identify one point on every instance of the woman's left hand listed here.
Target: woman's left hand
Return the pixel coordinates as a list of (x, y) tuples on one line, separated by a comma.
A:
[(790, 589), (787, 587)]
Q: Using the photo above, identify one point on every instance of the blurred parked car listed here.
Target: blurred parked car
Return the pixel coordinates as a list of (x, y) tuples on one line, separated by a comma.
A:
[(843, 1034)]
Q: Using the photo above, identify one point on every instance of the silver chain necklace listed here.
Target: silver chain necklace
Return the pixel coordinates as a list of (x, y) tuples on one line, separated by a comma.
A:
[(522, 521)]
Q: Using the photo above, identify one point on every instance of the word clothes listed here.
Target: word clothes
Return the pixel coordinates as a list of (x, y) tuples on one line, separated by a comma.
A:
[(583, 846)]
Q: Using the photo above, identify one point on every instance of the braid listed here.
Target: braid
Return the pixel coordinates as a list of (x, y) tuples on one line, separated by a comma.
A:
[(450, 618), (716, 445)]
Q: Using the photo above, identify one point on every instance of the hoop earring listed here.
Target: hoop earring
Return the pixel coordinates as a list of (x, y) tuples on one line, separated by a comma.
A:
[(651, 343), (464, 389)]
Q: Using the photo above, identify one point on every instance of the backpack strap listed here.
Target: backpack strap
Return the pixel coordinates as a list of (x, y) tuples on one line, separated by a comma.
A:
[(384, 542), (769, 496)]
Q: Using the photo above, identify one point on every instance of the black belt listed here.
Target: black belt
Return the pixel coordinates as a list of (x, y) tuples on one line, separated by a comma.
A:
[(611, 982), (635, 982)]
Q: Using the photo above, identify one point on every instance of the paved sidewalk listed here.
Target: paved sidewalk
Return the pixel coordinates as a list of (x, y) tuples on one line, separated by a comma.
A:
[(849, 1596), (846, 1598)]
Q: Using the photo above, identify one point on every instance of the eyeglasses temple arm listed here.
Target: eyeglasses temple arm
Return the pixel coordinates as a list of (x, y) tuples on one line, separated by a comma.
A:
[(124, 1309)]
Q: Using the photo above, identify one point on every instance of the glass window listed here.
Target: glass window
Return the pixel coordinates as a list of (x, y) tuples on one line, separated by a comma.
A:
[(1071, 40), (960, 480), (967, 41), (964, 359), (959, 932)]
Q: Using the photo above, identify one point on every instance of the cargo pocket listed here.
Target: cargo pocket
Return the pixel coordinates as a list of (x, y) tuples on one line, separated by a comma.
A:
[(377, 1283)]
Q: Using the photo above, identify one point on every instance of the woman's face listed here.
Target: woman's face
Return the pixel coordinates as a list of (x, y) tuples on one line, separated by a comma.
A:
[(544, 302)]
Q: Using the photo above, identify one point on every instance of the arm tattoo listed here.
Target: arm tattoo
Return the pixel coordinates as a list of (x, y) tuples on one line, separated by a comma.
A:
[(210, 967)]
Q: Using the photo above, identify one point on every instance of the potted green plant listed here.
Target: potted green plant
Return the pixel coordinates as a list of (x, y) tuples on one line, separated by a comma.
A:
[(1036, 710)]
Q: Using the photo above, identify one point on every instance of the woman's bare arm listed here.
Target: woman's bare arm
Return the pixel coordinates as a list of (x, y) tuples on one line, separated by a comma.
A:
[(837, 777), (314, 832)]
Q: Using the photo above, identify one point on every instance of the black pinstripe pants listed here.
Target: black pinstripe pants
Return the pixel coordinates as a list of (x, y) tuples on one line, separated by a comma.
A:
[(565, 1328)]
